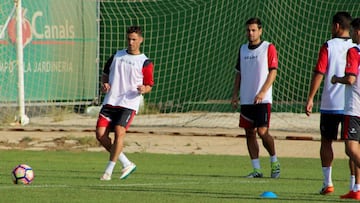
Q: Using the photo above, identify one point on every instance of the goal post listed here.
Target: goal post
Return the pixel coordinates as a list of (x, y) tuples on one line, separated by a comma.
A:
[(16, 13), (22, 118)]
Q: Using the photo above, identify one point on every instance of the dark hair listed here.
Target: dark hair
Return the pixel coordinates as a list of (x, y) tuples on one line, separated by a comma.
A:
[(136, 29), (343, 19), (254, 20), (355, 24)]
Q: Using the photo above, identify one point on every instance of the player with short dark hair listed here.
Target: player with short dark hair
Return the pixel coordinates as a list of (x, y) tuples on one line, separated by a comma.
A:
[(126, 76), (351, 79), (331, 60), (256, 71)]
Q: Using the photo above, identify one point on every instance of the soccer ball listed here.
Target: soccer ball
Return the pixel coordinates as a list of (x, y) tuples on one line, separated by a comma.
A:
[(22, 174)]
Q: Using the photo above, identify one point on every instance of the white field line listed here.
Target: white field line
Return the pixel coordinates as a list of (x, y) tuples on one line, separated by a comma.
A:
[(128, 185)]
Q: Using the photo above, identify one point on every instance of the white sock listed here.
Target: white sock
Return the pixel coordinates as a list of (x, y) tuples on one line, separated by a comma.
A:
[(255, 163), (327, 175), (124, 160), (110, 167), (356, 187), (273, 159), (352, 182)]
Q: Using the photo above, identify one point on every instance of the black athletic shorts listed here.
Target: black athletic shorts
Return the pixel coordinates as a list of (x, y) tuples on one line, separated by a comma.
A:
[(352, 128), (255, 115), (329, 125), (110, 116)]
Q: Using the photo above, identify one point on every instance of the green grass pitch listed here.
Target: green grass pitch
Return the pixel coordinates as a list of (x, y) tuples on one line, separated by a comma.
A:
[(62, 176)]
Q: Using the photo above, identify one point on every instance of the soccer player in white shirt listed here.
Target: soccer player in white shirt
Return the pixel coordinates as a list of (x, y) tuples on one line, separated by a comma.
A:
[(352, 106), (332, 59), (255, 73), (126, 76)]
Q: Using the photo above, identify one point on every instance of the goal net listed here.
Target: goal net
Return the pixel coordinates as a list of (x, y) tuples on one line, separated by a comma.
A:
[(194, 46)]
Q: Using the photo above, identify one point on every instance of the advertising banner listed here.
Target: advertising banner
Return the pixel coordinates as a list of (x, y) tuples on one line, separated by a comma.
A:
[(60, 51)]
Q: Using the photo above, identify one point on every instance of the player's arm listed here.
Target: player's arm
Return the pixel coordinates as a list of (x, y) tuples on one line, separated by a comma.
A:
[(317, 78), (105, 86), (273, 65), (314, 86), (148, 81), (348, 79), (236, 88), (268, 82), (351, 70)]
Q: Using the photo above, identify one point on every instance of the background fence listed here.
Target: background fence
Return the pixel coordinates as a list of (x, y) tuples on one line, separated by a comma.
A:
[(194, 46)]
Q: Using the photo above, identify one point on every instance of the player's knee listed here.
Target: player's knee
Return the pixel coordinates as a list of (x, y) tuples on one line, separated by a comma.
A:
[(98, 137), (263, 132), (100, 134)]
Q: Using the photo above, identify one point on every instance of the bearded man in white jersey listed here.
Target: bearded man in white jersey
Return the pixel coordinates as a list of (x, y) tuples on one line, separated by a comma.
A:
[(126, 76), (332, 60), (256, 71), (351, 79)]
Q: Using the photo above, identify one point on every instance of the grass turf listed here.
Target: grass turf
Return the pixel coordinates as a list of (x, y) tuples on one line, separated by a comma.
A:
[(63, 176)]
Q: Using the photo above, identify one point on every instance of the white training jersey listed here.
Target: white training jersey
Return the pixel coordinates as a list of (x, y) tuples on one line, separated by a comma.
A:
[(254, 69), (352, 92), (124, 78), (333, 95)]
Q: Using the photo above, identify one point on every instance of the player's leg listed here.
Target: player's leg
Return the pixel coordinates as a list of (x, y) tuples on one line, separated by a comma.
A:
[(263, 113), (269, 145), (253, 149), (354, 187), (326, 156), (108, 117), (329, 130), (122, 123), (353, 169), (115, 151), (103, 127), (246, 121), (252, 144), (352, 149), (354, 174), (267, 140), (117, 146), (352, 138), (124, 160), (262, 120), (102, 135)]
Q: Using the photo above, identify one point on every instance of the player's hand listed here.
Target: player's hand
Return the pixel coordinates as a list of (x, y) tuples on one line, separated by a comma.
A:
[(259, 98), (105, 88), (234, 103), (308, 108), (141, 89), (333, 79)]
